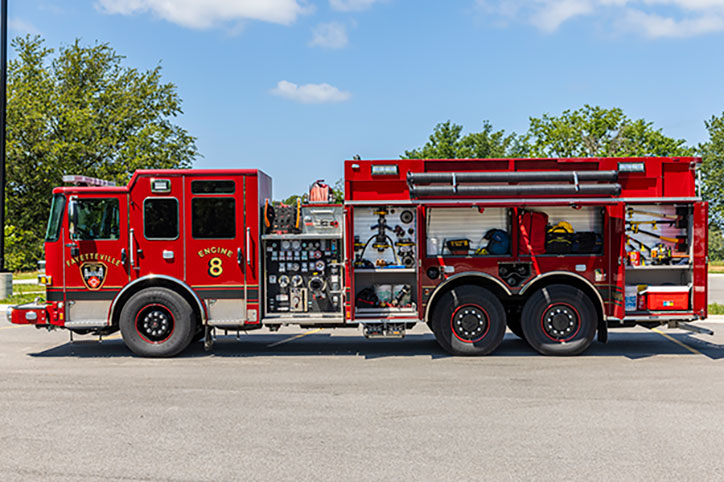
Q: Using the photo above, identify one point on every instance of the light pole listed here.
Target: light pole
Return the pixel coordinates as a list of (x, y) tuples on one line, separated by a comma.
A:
[(6, 279), (3, 108)]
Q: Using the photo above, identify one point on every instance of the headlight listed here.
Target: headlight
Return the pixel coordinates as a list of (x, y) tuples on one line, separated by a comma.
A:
[(9, 314)]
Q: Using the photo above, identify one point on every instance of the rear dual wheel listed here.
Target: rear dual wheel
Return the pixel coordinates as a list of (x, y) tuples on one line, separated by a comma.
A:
[(469, 320), (559, 320), (157, 322)]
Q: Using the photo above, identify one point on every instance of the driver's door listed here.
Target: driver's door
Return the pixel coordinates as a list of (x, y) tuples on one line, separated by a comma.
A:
[(95, 254)]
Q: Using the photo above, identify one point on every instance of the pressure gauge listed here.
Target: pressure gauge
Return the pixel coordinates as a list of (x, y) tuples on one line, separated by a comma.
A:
[(296, 245), (294, 267), (297, 281), (284, 281), (317, 254), (286, 245), (319, 265)]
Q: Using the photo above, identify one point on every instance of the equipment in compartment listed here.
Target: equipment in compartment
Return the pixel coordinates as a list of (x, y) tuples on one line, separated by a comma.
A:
[(533, 226), (389, 246), (560, 238), (665, 242), (664, 298), (282, 219), (385, 296)]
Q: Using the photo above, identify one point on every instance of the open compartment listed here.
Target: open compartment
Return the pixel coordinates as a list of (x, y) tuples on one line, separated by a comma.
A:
[(561, 230), (659, 258), (468, 231), (385, 261)]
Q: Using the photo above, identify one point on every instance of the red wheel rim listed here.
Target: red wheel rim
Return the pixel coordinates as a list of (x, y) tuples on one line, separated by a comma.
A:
[(155, 323), (470, 323), (560, 322)]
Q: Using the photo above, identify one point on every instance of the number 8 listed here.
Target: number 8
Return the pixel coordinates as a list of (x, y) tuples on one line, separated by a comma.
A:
[(215, 267)]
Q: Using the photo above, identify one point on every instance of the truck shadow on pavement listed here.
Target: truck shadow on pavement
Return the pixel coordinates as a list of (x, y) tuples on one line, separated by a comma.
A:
[(631, 345)]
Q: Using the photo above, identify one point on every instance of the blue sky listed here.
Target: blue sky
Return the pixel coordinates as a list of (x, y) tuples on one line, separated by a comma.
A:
[(295, 87)]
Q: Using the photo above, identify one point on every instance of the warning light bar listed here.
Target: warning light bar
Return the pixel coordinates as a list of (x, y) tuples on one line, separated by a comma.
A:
[(87, 181)]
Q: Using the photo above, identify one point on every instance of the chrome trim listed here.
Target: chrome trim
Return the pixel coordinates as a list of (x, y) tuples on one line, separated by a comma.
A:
[(517, 202), (163, 277), (572, 275), (475, 274), (86, 324), (662, 318)]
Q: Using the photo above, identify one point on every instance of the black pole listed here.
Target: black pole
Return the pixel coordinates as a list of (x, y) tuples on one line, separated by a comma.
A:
[(3, 108)]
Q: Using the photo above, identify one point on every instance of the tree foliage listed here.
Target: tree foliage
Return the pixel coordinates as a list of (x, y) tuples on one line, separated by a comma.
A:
[(712, 168), (448, 142), (81, 111), (598, 132)]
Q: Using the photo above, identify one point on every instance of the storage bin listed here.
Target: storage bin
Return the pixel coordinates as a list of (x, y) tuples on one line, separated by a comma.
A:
[(631, 293), (665, 298)]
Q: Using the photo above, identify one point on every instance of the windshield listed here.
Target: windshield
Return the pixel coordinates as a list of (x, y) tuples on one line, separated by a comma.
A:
[(56, 216)]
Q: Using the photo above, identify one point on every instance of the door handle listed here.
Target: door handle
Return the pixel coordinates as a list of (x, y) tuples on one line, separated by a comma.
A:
[(248, 245), (239, 256), (123, 256), (74, 250), (131, 252)]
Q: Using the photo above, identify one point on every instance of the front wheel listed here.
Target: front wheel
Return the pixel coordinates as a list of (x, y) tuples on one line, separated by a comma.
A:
[(157, 322), (469, 320), (559, 320)]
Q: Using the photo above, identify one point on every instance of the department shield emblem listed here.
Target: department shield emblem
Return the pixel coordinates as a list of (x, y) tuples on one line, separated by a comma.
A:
[(93, 274)]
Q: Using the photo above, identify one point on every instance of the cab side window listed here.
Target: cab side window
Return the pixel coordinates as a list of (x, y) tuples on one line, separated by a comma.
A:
[(213, 218), (97, 219), (160, 218)]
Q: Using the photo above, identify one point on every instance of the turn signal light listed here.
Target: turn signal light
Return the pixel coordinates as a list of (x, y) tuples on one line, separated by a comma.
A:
[(45, 280)]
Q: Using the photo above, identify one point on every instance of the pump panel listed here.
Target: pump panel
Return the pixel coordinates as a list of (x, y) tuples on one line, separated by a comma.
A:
[(303, 272)]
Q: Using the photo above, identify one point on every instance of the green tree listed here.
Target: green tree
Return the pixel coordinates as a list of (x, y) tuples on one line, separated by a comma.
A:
[(448, 142), (598, 132), (712, 169), (81, 111)]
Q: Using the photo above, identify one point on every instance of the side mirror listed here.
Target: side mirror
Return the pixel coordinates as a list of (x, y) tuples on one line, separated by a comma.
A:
[(72, 217)]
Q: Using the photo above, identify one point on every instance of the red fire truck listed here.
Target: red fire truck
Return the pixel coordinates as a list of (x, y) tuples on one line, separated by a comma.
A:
[(556, 250)]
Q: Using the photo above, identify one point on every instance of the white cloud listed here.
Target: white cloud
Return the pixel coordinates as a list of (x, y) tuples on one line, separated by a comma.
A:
[(331, 35), (352, 5), (655, 26), (650, 18), (203, 14), (310, 93), (21, 26)]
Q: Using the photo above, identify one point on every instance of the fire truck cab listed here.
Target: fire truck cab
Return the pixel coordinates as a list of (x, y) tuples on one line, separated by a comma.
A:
[(556, 250)]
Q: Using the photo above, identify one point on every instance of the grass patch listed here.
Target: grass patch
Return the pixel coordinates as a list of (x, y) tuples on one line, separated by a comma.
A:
[(24, 294), (26, 275), (716, 309), (716, 266)]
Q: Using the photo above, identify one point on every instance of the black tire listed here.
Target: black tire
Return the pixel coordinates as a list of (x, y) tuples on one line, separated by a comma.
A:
[(157, 322), (469, 320), (559, 320)]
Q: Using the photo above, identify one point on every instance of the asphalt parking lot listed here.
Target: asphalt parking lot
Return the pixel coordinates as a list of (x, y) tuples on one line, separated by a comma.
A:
[(330, 405)]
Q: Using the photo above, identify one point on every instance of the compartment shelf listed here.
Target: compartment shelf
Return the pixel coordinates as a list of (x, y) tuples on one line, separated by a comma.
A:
[(384, 270), (385, 311), (642, 268)]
